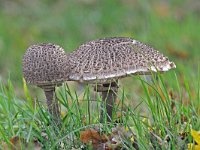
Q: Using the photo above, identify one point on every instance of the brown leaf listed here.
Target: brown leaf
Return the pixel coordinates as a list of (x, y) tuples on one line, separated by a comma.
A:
[(107, 142), (19, 143), (16, 143), (91, 135)]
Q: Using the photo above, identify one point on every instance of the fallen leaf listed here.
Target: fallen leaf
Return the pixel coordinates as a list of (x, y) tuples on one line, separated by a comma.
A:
[(92, 136), (193, 147), (110, 141), (20, 143), (196, 137), (15, 143)]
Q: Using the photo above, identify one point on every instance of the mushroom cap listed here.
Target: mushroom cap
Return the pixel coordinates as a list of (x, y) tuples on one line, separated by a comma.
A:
[(105, 60), (44, 65)]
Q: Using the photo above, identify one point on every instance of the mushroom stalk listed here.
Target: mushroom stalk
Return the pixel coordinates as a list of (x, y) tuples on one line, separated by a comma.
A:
[(109, 96), (52, 104)]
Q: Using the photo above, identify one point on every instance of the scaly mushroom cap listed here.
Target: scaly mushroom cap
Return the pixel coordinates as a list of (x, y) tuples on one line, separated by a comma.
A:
[(106, 59), (44, 64)]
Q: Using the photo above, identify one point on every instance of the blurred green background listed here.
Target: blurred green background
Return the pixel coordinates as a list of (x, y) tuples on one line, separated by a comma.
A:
[(171, 26)]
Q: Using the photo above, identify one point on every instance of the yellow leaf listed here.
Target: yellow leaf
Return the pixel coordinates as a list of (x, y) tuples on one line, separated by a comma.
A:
[(196, 136), (127, 129), (193, 147), (132, 139)]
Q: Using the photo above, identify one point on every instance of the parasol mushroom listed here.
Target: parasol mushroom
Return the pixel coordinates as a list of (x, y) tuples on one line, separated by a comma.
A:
[(43, 66)]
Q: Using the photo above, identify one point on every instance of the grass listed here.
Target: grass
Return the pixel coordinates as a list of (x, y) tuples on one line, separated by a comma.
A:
[(165, 123)]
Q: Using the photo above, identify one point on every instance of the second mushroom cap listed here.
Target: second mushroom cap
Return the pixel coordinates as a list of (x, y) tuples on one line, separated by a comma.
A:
[(112, 58)]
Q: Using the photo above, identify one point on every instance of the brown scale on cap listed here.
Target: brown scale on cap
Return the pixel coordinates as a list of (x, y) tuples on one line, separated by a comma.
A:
[(43, 64), (112, 58)]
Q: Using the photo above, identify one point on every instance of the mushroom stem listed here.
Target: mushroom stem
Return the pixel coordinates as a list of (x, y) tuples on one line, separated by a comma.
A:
[(52, 104), (109, 96)]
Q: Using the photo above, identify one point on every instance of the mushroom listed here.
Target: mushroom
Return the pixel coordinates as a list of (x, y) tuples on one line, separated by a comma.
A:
[(43, 66), (104, 61)]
